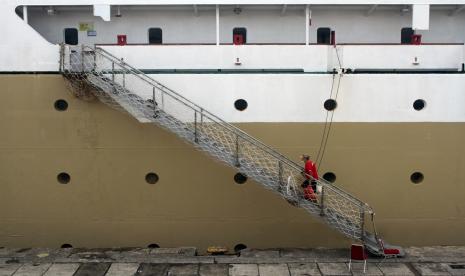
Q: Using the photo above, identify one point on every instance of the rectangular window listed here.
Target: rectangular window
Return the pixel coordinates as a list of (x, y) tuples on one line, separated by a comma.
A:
[(239, 36), (155, 36), (323, 36), (406, 35), (71, 36)]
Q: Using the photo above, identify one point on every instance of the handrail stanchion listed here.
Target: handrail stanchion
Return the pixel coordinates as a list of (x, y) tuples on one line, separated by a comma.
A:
[(362, 222), (162, 100), (280, 174), (196, 139), (95, 61), (237, 163), (322, 201), (124, 73), (154, 103), (62, 57), (124, 79), (82, 58), (113, 71)]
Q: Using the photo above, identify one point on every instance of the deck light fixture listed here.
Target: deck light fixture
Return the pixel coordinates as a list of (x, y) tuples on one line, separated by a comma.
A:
[(404, 10), (237, 10), (118, 12), (51, 11)]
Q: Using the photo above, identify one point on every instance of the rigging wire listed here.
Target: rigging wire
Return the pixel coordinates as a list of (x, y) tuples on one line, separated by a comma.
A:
[(327, 127), (337, 55), (330, 125), (326, 122)]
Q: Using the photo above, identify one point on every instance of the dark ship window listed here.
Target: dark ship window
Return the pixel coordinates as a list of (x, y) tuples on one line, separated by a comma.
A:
[(66, 245), (153, 246), (151, 178), (239, 247), (239, 36), (71, 36), (330, 177), (61, 105), (240, 104), (240, 178), (419, 104), (406, 35), (417, 177), (63, 178), (323, 36), (155, 36), (330, 104)]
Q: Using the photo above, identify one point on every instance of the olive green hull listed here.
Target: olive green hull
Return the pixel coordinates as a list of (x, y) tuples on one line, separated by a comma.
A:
[(196, 202)]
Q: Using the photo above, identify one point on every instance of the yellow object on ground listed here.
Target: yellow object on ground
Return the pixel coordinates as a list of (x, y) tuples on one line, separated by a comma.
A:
[(217, 249)]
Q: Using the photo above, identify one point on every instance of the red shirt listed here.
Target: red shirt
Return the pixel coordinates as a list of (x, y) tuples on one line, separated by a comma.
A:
[(310, 168)]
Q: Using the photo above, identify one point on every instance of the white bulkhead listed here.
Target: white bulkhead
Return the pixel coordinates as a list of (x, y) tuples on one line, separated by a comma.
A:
[(285, 67)]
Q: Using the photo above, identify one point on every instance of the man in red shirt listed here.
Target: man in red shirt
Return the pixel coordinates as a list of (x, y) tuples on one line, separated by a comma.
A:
[(311, 173)]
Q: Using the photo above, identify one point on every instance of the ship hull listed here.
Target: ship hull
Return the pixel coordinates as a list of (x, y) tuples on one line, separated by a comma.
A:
[(196, 202)]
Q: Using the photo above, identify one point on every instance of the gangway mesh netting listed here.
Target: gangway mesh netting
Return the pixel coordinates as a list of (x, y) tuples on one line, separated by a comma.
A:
[(94, 72)]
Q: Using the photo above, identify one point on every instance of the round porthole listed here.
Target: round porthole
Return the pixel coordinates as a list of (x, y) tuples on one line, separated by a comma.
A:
[(153, 246), (417, 177), (330, 104), (61, 105), (151, 178), (330, 177), (239, 247), (240, 178), (419, 104), (63, 178), (240, 104)]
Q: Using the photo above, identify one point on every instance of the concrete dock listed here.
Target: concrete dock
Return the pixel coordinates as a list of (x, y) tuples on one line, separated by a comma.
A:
[(444, 260)]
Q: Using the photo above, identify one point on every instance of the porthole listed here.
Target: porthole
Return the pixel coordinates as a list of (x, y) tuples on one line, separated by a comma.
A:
[(63, 178), (417, 177), (239, 247), (419, 104), (66, 245), (240, 178), (151, 178), (240, 104), (61, 105), (330, 177), (330, 104), (153, 246)]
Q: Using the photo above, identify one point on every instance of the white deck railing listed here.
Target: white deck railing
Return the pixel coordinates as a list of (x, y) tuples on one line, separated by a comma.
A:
[(305, 58)]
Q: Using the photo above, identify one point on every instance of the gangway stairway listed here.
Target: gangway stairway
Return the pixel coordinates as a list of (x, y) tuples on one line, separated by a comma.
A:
[(93, 70)]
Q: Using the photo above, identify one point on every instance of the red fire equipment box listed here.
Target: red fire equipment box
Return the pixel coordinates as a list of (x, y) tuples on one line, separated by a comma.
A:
[(416, 39), (122, 40), (238, 39)]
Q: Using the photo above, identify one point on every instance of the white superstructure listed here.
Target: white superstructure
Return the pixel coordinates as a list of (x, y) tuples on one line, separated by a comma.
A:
[(282, 65)]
